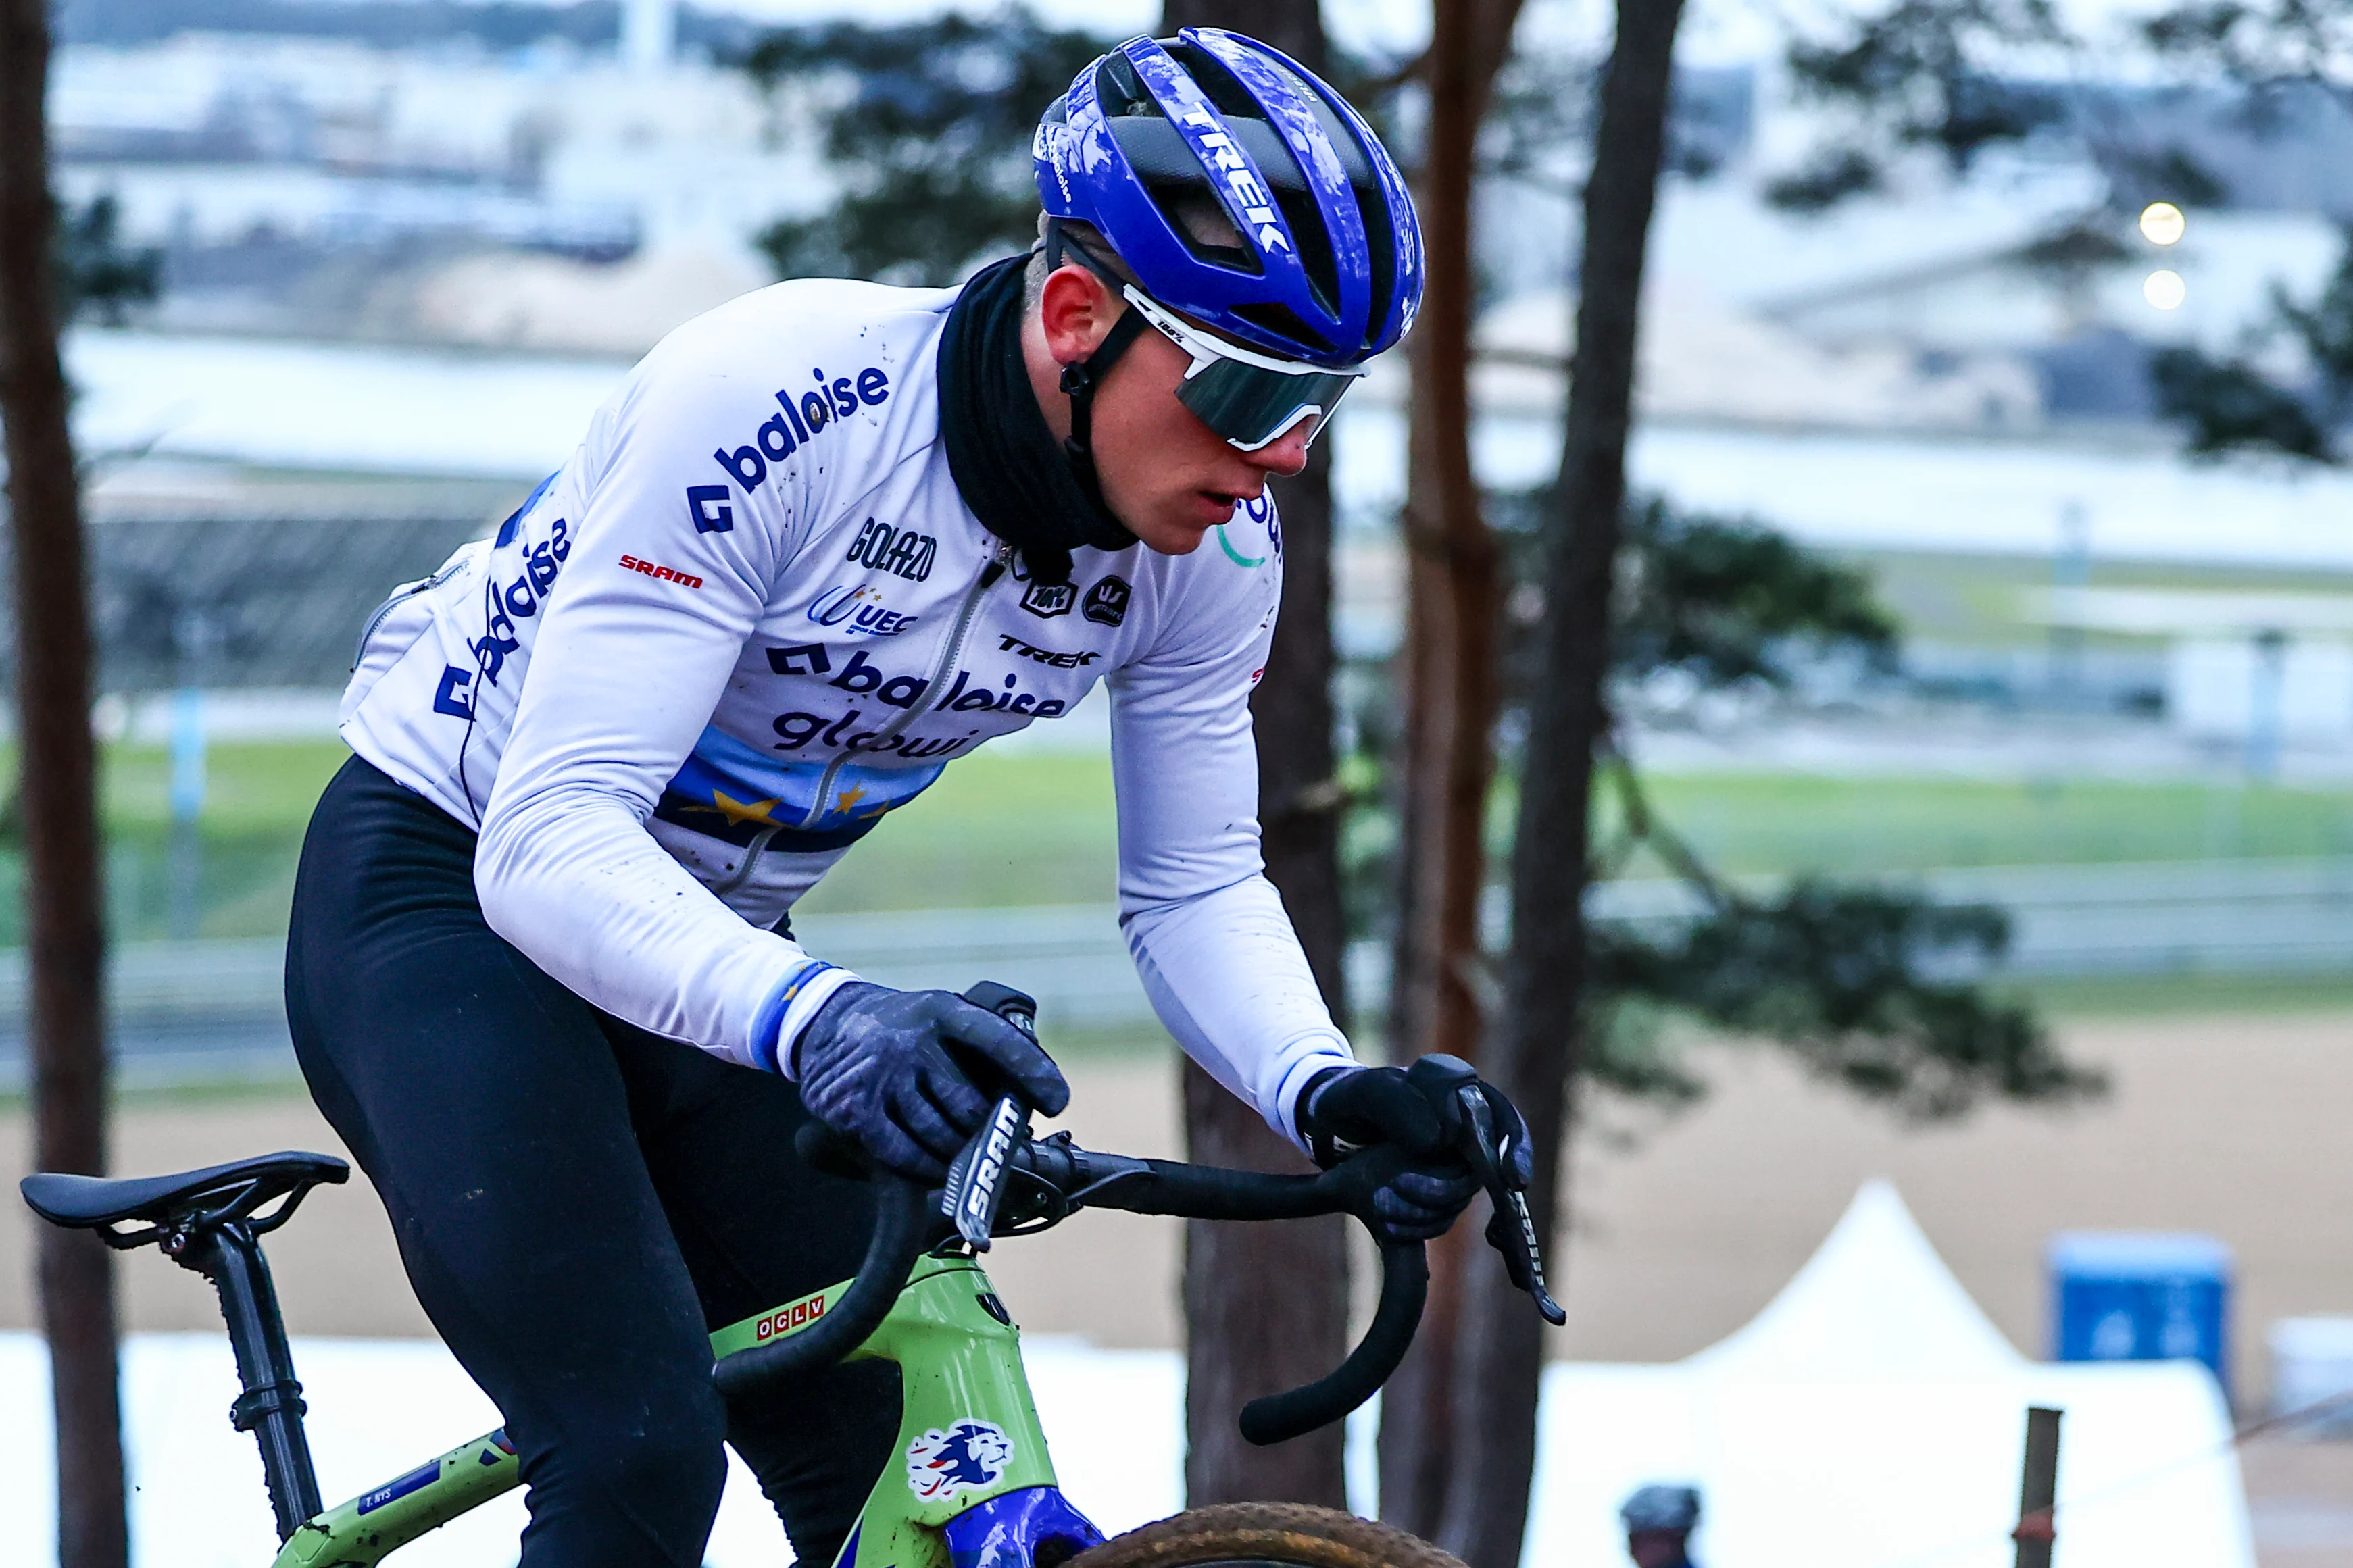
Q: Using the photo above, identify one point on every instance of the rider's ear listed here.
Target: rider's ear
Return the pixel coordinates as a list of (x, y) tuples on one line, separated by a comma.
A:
[(1076, 309)]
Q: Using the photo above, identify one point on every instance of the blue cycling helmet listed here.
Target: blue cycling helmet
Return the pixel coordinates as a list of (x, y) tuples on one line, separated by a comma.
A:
[(1328, 272)]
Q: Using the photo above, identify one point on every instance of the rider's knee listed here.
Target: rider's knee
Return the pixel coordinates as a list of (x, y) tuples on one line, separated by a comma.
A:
[(662, 1470)]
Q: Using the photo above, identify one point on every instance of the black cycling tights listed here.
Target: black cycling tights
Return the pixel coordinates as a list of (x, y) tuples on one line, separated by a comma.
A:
[(577, 1202)]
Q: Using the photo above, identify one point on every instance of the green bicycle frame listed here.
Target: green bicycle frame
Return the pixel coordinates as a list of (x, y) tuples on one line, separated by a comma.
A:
[(968, 1434)]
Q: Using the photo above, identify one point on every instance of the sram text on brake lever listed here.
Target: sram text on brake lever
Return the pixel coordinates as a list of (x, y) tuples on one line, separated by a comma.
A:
[(975, 1185)]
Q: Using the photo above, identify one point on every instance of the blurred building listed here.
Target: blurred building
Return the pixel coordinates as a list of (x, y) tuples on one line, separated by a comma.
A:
[(2002, 303), (548, 195), (2031, 254), (1949, 379)]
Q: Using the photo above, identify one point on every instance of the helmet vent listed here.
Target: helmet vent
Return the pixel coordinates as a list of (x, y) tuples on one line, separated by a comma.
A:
[(1217, 84), (1120, 90), (1283, 323), (1314, 242), (1194, 215), (1380, 240)]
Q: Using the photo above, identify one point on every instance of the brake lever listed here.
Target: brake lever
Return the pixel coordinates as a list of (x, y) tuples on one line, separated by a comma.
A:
[(976, 1187), (1511, 1231), (975, 1183)]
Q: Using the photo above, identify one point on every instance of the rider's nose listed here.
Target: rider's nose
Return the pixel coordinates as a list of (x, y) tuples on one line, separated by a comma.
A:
[(1287, 454)]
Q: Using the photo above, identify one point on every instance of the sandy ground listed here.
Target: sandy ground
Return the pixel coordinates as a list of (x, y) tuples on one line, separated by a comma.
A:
[(2231, 1126), (1683, 1228)]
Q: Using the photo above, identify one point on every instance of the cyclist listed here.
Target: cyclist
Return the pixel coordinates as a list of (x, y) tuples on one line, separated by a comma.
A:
[(1659, 1520), (823, 541)]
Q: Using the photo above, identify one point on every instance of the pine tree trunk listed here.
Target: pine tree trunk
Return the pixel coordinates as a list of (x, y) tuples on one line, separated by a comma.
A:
[(1534, 1044), (65, 917), (1449, 684), (1266, 1306)]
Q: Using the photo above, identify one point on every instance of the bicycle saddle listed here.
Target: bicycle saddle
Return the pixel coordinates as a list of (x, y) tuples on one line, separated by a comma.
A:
[(236, 1190)]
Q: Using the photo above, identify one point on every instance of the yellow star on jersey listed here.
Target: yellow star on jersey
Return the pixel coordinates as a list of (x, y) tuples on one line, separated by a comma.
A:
[(736, 811), (850, 797)]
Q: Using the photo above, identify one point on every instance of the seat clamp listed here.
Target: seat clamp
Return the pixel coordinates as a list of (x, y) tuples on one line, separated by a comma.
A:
[(257, 1405)]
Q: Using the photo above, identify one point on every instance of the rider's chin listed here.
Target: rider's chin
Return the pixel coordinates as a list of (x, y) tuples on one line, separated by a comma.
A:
[(1174, 530)]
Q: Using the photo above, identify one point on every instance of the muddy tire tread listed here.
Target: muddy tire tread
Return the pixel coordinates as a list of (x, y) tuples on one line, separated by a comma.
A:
[(1266, 1532)]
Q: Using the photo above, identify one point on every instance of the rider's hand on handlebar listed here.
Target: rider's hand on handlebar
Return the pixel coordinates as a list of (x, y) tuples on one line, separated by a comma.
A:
[(880, 1066), (1349, 1109)]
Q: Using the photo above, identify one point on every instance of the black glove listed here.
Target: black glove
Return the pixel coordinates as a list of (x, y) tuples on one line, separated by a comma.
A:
[(880, 1066), (1344, 1110)]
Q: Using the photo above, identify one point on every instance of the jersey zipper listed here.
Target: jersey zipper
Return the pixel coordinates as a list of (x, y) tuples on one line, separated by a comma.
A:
[(952, 651), (400, 596)]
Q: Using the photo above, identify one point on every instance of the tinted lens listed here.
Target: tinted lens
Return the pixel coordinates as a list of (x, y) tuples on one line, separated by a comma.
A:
[(1251, 406)]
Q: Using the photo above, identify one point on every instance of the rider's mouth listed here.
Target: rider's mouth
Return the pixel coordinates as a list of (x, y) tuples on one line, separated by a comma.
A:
[(1219, 501)]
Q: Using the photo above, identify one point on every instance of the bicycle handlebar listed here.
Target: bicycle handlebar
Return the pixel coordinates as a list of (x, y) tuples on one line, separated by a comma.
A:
[(907, 1220), (901, 1226), (1405, 1284), (1207, 1192), (911, 1220)]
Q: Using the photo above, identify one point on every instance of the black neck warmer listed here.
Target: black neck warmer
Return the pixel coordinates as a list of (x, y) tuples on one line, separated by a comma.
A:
[(1005, 463)]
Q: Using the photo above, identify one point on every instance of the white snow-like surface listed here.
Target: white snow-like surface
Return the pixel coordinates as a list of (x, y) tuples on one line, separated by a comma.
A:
[(1870, 1418), (1906, 493), (381, 1407), (446, 412)]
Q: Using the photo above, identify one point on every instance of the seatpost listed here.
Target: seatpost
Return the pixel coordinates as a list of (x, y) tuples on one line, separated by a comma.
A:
[(271, 1407)]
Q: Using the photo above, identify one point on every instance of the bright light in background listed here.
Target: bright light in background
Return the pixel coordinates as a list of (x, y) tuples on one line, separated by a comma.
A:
[(2164, 289), (2161, 222)]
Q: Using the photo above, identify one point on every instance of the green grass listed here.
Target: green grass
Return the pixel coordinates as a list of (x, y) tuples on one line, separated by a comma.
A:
[(257, 801), (1788, 822), (249, 789), (2157, 995), (1038, 829), (995, 831), (1984, 600)]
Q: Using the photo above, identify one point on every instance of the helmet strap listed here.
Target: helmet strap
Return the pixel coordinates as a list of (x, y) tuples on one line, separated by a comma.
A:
[(1081, 377)]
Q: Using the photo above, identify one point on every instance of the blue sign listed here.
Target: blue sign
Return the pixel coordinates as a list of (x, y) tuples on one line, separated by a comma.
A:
[(2140, 1296)]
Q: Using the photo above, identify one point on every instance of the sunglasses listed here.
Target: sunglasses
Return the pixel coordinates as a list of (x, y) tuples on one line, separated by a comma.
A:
[(1251, 399)]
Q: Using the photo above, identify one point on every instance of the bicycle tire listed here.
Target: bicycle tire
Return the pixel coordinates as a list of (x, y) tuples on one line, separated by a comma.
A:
[(1248, 1534)]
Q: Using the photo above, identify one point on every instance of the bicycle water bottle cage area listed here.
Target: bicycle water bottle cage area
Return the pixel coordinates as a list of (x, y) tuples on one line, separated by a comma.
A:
[(180, 1204)]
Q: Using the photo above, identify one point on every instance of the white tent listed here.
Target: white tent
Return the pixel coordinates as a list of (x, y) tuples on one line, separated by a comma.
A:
[(1873, 1417)]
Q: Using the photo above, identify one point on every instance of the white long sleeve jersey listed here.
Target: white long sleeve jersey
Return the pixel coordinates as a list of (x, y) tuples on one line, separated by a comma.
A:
[(751, 616)]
